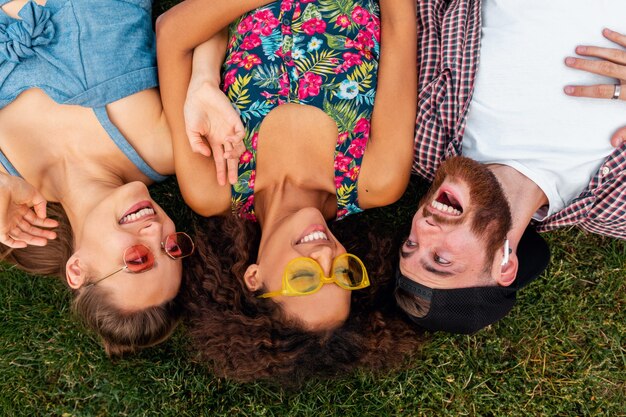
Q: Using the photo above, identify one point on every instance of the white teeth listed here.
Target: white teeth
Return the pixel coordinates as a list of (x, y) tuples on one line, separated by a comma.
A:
[(313, 237), (148, 211), (444, 207)]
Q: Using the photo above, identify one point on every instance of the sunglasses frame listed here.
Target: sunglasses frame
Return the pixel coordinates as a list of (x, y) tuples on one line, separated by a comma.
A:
[(125, 267), (288, 291)]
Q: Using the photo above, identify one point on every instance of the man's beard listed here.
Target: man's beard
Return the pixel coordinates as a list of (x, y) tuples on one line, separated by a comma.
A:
[(488, 209)]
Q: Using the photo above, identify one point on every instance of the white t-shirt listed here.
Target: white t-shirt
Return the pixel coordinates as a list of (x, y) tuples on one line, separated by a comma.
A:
[(519, 115)]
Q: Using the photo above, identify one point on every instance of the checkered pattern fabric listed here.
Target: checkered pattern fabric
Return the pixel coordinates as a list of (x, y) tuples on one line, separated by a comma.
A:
[(448, 55)]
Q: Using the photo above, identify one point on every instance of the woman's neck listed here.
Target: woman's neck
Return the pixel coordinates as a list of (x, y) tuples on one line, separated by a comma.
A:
[(275, 202), (79, 191)]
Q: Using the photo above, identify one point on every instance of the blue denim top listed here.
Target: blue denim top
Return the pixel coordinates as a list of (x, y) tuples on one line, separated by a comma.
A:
[(82, 52)]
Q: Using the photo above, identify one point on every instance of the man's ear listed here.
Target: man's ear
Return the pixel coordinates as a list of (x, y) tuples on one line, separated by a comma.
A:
[(251, 278), (508, 271), (75, 275)]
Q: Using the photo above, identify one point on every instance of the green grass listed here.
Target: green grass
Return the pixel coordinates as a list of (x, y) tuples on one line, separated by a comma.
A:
[(560, 352)]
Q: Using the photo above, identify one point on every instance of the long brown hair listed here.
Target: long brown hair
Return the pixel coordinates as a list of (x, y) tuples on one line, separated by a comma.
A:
[(120, 332), (246, 338)]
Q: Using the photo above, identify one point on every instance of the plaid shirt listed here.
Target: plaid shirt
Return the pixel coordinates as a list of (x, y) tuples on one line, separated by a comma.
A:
[(448, 55)]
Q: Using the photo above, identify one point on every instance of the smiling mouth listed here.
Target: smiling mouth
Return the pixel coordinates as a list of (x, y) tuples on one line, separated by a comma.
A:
[(316, 236), (138, 212), (447, 203)]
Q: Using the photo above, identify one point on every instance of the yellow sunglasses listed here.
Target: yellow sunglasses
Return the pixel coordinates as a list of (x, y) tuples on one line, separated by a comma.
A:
[(305, 276)]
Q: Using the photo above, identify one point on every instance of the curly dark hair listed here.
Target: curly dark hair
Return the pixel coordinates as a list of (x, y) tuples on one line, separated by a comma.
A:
[(246, 338)]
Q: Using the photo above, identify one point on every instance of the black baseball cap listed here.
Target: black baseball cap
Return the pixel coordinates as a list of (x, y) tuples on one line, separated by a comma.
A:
[(467, 310)]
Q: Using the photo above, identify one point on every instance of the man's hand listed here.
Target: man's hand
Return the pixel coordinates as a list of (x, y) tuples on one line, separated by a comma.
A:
[(210, 117), (611, 62), (23, 218)]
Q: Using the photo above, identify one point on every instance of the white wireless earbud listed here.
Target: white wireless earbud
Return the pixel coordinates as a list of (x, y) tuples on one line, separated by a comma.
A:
[(507, 251)]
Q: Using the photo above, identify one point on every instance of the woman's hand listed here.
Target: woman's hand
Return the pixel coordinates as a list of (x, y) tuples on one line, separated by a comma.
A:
[(23, 218), (611, 62), (210, 117)]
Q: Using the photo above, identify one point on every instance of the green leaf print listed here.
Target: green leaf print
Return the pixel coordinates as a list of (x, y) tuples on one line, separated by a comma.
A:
[(266, 77), (241, 186), (311, 12), (337, 42), (362, 74), (344, 113), (237, 93), (318, 62), (343, 194), (333, 8)]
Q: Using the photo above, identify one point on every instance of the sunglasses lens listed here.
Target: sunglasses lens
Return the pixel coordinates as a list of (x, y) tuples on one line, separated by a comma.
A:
[(178, 245), (303, 276), (348, 271), (138, 258)]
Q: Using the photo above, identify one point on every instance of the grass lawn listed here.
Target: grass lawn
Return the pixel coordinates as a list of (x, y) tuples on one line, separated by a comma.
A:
[(560, 352)]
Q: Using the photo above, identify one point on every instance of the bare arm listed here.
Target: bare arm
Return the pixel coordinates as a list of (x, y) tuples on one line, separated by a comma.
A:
[(386, 165), (179, 31)]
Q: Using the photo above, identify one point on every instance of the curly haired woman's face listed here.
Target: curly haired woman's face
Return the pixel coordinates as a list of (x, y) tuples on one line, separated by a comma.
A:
[(301, 234), (127, 217)]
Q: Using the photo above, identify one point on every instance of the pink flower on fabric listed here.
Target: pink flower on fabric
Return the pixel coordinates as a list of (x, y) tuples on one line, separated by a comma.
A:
[(245, 209), (351, 59), (283, 81), (313, 26), (229, 78), (341, 212), (364, 39), (252, 179), (254, 140), (245, 25), (251, 41), (264, 23), (286, 5), (285, 30), (357, 147), (263, 15), (250, 61), (360, 16), (343, 21), (309, 85), (245, 157), (342, 162), (362, 126), (235, 58), (342, 138), (373, 27), (334, 61), (338, 181), (307, 1), (353, 173), (266, 94)]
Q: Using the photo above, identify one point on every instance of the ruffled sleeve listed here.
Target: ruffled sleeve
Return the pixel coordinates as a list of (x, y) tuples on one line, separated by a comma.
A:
[(18, 39)]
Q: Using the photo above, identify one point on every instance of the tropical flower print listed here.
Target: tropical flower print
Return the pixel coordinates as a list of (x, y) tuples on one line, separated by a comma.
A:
[(348, 89), (314, 44), (315, 52)]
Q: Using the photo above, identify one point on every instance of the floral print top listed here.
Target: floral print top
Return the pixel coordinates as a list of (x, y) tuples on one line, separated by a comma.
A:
[(322, 53)]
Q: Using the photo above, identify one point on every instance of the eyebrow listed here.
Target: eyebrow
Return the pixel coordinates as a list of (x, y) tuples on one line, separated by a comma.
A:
[(436, 271), (405, 255)]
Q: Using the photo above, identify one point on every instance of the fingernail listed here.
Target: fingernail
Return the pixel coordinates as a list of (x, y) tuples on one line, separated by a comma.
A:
[(569, 60), (581, 49), (607, 31), (568, 89)]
